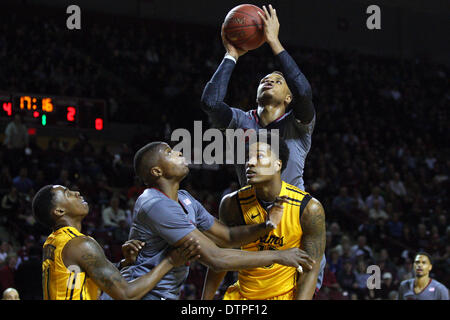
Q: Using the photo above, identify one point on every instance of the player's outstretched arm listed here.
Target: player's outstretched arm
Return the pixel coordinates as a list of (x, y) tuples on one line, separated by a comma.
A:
[(313, 242), (231, 259), (231, 231), (86, 253), (302, 105), (216, 89)]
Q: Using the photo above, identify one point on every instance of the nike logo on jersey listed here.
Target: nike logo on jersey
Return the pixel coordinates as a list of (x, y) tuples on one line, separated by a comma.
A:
[(254, 216)]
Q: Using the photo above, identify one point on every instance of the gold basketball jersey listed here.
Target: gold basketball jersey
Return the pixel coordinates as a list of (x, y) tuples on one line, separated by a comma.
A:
[(58, 281), (274, 280)]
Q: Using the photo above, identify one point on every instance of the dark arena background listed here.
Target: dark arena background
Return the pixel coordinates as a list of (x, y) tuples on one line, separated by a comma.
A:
[(89, 98)]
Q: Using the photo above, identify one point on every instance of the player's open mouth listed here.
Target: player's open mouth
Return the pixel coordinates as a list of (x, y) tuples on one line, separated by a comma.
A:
[(250, 174), (267, 87)]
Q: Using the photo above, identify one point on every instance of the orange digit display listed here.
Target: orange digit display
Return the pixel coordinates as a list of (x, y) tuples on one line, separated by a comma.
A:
[(27, 100), (47, 105)]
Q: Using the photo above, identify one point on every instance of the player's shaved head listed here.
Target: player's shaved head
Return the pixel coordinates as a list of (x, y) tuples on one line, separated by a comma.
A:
[(145, 158)]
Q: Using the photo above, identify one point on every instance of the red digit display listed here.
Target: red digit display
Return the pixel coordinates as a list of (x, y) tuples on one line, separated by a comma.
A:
[(71, 111), (99, 124), (7, 107)]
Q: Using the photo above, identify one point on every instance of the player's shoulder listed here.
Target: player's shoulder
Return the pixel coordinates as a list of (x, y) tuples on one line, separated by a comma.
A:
[(438, 285), (152, 198), (406, 283), (297, 190)]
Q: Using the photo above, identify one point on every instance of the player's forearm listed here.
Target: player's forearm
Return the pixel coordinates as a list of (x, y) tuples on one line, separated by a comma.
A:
[(140, 286), (303, 108), (306, 284), (233, 260), (216, 89), (241, 235), (212, 283)]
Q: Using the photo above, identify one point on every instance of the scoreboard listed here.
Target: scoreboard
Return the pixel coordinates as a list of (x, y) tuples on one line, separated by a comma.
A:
[(54, 111)]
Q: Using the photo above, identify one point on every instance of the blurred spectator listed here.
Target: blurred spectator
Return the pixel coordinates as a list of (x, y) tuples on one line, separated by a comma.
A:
[(361, 248), (113, 214), (347, 279), (395, 226), (7, 273), (22, 182), (375, 195), (5, 249), (120, 234), (361, 277), (16, 134), (397, 186), (376, 212), (10, 203), (28, 277)]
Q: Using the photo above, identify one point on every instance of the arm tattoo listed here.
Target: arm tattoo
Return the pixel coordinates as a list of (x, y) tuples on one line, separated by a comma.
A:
[(101, 271), (313, 240)]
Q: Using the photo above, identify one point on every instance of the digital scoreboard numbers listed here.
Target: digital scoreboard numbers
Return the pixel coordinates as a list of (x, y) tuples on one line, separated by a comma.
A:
[(54, 111)]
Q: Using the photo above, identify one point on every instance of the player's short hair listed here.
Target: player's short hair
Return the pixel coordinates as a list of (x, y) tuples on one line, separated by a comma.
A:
[(143, 158), (423, 253), (270, 138), (42, 206), (281, 74)]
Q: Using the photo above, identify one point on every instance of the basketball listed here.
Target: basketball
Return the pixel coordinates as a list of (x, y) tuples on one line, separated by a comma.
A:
[(244, 28)]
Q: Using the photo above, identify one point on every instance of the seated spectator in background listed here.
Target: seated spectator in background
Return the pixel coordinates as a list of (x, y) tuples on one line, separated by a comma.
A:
[(375, 195), (361, 277), (376, 212), (343, 202), (63, 179), (330, 286), (10, 294), (5, 178), (335, 261), (28, 276), (5, 249), (361, 248), (16, 134), (395, 226), (136, 189), (335, 230), (387, 285), (397, 186), (347, 279), (22, 182), (10, 203), (120, 234), (113, 214), (7, 273)]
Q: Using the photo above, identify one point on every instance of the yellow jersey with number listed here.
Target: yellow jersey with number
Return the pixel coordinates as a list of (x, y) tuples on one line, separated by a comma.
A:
[(58, 281), (274, 281)]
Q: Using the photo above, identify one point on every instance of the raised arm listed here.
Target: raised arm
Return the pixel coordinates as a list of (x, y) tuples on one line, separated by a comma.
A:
[(302, 105), (86, 253), (313, 242), (216, 89)]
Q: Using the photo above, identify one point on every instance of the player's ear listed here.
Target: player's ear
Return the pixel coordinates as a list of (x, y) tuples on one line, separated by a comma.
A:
[(278, 165), (59, 212), (288, 99), (156, 172)]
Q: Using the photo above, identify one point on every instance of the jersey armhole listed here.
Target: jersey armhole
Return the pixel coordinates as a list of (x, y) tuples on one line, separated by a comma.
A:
[(305, 202)]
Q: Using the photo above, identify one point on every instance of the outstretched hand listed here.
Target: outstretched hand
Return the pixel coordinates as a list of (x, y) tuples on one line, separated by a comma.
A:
[(271, 28)]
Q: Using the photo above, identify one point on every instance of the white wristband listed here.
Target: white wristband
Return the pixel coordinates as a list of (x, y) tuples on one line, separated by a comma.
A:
[(270, 224), (229, 56)]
